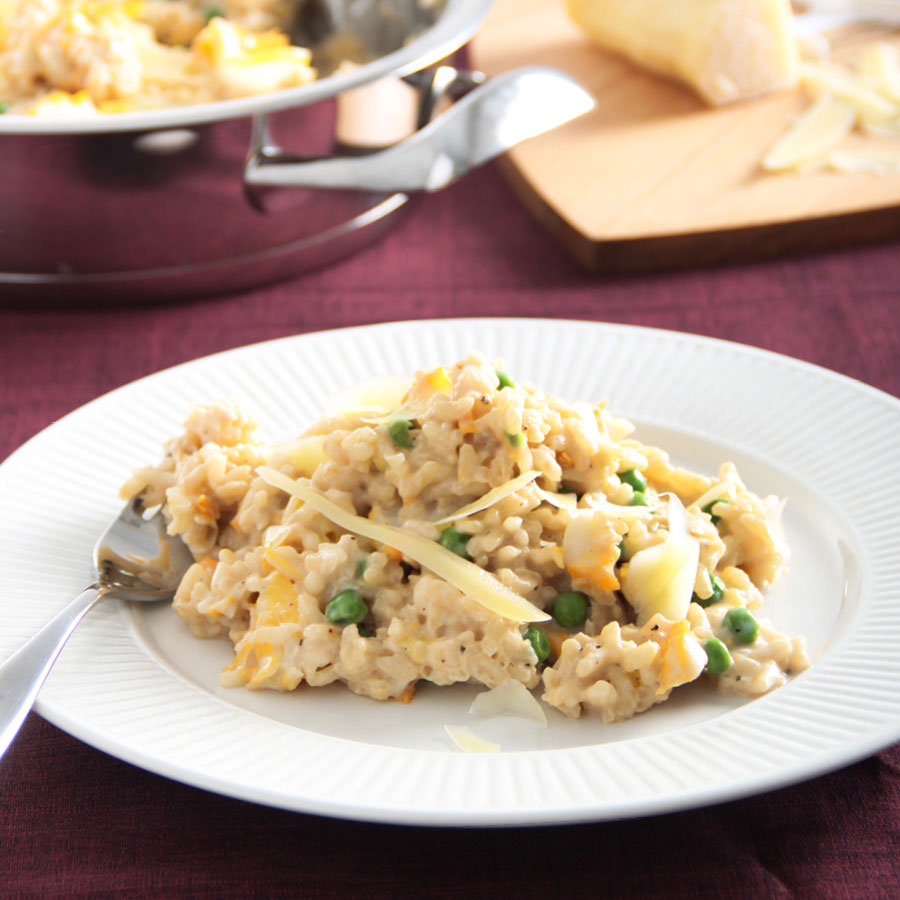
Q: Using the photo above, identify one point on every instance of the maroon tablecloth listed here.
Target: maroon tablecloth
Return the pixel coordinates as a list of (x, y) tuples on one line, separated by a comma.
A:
[(77, 823)]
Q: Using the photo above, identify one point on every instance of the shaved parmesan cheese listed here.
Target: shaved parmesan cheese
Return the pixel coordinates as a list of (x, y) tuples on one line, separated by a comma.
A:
[(677, 517), (305, 454), (724, 490), (590, 433), (490, 498), (661, 578), (468, 741), (560, 501), (280, 564), (465, 576), (413, 409), (878, 67), (511, 698), (877, 128), (570, 502), (625, 513), (775, 526), (375, 396), (868, 98), (876, 161), (417, 396), (813, 47), (275, 535), (815, 132), (841, 84)]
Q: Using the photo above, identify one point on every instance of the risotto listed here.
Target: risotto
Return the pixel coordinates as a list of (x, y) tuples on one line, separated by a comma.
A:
[(461, 527), (84, 57)]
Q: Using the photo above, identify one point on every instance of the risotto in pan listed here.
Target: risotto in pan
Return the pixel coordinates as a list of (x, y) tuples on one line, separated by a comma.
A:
[(78, 57), (463, 527)]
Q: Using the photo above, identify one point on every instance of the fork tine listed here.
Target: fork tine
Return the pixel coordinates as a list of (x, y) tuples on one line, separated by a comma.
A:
[(131, 512)]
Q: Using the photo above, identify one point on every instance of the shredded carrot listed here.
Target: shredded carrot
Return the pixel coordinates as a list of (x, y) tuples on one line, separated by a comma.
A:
[(602, 576), (406, 695), (114, 106), (434, 382), (393, 553), (241, 657), (280, 564), (439, 380), (468, 424), (556, 639), (208, 563), (289, 681)]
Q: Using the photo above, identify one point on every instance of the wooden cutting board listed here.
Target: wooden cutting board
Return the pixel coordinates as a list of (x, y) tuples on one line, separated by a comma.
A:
[(653, 178)]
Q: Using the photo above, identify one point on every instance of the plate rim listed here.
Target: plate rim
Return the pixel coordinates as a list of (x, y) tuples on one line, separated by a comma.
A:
[(625, 327)]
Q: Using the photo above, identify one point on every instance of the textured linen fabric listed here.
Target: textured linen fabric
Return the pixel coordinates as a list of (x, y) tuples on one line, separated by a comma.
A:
[(75, 823)]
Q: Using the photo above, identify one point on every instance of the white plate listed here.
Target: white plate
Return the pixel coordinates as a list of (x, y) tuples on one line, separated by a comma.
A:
[(139, 687)]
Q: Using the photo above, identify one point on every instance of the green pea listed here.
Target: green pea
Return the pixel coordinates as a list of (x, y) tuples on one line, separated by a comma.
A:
[(456, 541), (515, 440), (622, 549), (505, 380), (718, 659), (361, 564), (399, 432), (639, 498), (709, 509), (635, 478), (718, 588), (3, 107), (212, 11), (742, 624), (346, 607), (570, 609), (538, 641)]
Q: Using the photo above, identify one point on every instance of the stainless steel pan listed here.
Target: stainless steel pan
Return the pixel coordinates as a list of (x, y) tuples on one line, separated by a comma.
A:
[(222, 196)]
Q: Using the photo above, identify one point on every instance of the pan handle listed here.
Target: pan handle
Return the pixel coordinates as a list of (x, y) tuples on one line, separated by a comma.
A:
[(490, 118)]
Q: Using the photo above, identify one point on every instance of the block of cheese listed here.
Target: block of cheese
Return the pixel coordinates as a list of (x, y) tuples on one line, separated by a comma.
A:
[(726, 50)]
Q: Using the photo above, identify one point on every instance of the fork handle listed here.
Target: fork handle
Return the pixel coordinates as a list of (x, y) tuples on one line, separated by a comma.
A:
[(22, 675)]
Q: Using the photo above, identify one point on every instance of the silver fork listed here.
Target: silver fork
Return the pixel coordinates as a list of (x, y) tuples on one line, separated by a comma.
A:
[(135, 560)]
